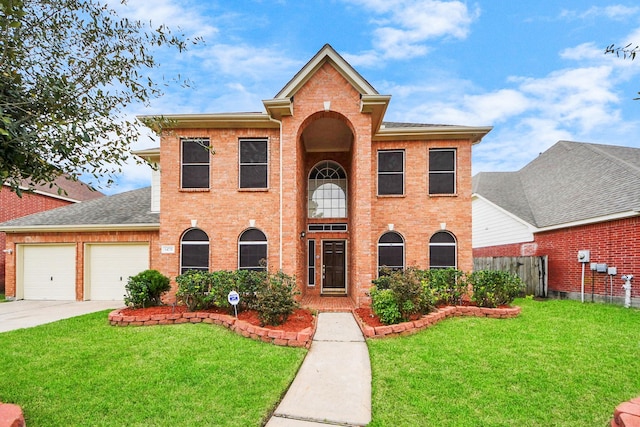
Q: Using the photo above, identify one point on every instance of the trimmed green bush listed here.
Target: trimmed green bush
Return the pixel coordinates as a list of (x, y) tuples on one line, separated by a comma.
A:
[(398, 294), (492, 288), (145, 289), (445, 286), (276, 300), (385, 306), (194, 290)]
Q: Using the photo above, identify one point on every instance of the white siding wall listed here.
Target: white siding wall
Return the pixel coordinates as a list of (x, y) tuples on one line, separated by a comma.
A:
[(492, 226), (155, 189)]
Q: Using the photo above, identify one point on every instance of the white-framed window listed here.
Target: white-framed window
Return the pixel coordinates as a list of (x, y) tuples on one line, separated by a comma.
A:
[(252, 250), (194, 251), (442, 171), (327, 191), (391, 251), (390, 172), (254, 163), (442, 250), (195, 161)]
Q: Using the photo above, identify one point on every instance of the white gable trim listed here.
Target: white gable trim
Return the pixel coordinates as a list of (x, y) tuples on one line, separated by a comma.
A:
[(326, 54)]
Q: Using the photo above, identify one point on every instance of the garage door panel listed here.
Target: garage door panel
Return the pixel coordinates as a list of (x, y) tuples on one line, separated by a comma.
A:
[(49, 272), (110, 266)]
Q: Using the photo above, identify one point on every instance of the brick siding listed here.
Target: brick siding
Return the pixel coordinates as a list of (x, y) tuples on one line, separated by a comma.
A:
[(610, 242)]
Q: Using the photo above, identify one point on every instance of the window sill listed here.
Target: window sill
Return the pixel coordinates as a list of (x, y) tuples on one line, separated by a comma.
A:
[(444, 195), (253, 190), (391, 196), (194, 190)]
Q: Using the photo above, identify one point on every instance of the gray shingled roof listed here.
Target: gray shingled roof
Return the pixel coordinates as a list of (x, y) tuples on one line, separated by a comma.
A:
[(571, 181), (129, 208)]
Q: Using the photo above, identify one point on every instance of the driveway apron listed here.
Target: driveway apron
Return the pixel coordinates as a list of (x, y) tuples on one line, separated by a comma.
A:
[(25, 314)]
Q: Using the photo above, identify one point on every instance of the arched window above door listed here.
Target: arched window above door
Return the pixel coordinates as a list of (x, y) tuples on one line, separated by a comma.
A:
[(327, 191)]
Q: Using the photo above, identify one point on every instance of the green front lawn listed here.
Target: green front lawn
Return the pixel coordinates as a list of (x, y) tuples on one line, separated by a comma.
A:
[(81, 371), (560, 363)]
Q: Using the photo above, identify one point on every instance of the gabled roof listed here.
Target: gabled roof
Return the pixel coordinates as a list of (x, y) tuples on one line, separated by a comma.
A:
[(129, 210), (371, 102), (570, 183), (73, 191)]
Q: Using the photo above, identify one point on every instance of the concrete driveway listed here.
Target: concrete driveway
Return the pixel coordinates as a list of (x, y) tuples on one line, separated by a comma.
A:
[(26, 314)]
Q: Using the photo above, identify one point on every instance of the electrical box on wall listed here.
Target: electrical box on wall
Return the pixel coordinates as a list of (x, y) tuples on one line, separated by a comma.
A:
[(583, 255), (612, 271), (601, 268)]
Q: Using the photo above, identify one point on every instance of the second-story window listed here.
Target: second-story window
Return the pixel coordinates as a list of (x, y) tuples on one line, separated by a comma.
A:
[(442, 171), (195, 163), (390, 172), (253, 163)]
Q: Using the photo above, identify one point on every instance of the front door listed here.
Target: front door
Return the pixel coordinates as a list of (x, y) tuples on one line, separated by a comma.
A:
[(334, 266)]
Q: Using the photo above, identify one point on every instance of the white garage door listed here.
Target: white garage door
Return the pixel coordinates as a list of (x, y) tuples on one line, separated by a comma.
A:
[(49, 272), (107, 268)]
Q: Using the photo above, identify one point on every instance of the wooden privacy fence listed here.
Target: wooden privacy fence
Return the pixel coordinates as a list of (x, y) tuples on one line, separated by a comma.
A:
[(531, 269)]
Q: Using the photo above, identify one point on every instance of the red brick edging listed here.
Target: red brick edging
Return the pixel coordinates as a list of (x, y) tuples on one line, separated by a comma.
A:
[(408, 328), (246, 329), (11, 415), (627, 414)]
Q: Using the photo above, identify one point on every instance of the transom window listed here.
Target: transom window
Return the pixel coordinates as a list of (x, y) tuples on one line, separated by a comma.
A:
[(391, 172), (442, 171), (442, 250), (253, 163), (194, 251), (252, 250), (195, 163), (327, 191), (391, 251)]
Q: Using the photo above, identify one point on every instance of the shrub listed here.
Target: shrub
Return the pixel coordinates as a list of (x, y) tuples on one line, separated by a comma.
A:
[(385, 306), (276, 300), (248, 284), (145, 289), (492, 288), (222, 282), (194, 290), (399, 294), (444, 286)]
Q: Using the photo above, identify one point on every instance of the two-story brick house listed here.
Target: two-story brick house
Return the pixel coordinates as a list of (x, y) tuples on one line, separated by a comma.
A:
[(317, 185)]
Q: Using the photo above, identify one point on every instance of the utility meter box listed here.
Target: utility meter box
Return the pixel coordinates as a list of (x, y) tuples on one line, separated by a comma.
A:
[(583, 256)]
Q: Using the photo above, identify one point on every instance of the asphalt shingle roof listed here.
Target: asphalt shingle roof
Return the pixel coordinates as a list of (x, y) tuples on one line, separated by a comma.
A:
[(129, 208), (571, 181)]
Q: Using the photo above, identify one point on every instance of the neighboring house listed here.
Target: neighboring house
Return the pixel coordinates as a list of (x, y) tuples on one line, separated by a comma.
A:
[(318, 186), (42, 198), (573, 197)]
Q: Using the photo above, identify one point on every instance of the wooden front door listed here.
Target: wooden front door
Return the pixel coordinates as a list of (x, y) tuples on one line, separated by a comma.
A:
[(334, 266)]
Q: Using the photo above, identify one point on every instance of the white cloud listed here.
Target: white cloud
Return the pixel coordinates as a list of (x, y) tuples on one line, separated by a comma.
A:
[(403, 27), (615, 12), (168, 12)]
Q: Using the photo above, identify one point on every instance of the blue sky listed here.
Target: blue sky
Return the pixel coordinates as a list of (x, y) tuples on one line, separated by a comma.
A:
[(535, 71)]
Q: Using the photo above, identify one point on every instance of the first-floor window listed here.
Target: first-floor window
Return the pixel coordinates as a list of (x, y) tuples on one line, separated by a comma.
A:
[(442, 250), (194, 251), (252, 250), (391, 251)]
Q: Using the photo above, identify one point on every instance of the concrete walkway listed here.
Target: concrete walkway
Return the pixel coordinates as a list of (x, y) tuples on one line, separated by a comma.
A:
[(25, 314), (333, 386)]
